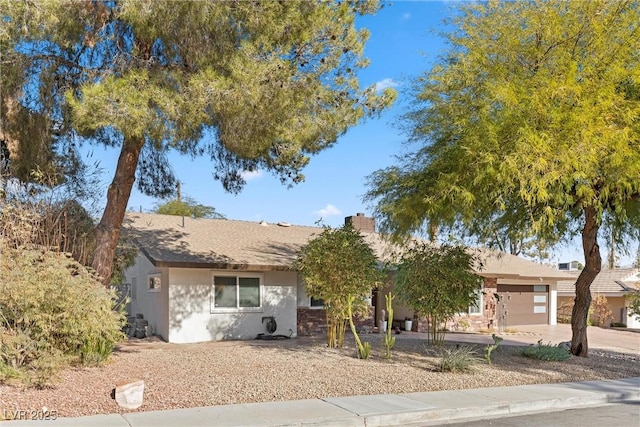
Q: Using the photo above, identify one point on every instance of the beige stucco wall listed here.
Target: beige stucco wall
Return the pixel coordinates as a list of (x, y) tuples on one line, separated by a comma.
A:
[(191, 318), (616, 304), (154, 306)]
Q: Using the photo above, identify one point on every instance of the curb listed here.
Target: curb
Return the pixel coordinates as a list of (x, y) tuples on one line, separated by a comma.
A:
[(421, 408)]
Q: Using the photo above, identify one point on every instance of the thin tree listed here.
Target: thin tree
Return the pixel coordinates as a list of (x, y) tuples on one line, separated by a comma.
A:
[(340, 268), (438, 282), (532, 118), (252, 85), (186, 206)]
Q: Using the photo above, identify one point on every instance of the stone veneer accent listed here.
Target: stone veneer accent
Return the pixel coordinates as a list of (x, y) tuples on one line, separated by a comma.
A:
[(312, 321)]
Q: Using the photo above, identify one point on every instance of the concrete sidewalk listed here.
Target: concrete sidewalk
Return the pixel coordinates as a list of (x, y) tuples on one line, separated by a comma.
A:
[(428, 408)]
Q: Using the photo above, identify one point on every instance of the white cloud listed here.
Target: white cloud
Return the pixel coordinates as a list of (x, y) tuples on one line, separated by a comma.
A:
[(249, 175), (328, 210), (385, 83)]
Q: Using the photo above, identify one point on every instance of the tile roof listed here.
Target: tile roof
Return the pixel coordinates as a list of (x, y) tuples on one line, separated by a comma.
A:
[(174, 241), (619, 280)]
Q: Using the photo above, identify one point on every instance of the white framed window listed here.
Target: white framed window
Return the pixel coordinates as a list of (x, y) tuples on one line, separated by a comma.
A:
[(236, 292), (154, 282), (476, 307)]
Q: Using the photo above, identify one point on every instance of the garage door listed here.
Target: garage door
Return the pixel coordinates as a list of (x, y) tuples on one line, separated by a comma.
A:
[(524, 304)]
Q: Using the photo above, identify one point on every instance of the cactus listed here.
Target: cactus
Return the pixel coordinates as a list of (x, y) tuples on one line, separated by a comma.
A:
[(389, 340), (364, 349), (488, 349)]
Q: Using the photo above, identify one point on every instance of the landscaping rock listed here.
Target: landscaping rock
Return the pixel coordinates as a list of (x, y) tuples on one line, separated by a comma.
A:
[(129, 394)]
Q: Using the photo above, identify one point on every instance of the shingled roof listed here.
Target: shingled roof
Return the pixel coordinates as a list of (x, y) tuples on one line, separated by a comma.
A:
[(175, 241), (616, 281)]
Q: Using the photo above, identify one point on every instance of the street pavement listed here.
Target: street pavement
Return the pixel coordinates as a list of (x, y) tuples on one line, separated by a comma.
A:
[(423, 409), (620, 414)]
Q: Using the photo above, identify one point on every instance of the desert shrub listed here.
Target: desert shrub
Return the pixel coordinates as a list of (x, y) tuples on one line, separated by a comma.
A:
[(601, 313), (53, 313), (546, 352), (464, 324), (564, 312), (458, 359)]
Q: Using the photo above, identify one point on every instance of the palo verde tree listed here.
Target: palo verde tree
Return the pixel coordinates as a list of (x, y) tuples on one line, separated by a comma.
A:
[(532, 118), (186, 206), (339, 267), (438, 282), (252, 85)]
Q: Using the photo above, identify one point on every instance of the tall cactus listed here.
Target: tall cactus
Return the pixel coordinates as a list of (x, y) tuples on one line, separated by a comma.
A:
[(389, 340), (364, 349)]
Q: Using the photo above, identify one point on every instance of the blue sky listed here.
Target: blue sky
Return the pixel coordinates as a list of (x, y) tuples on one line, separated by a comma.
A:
[(403, 44)]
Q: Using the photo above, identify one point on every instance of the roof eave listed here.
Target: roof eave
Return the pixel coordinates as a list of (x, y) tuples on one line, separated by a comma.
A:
[(221, 266)]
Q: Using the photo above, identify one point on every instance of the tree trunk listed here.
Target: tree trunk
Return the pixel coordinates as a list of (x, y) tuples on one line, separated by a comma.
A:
[(592, 266), (108, 230)]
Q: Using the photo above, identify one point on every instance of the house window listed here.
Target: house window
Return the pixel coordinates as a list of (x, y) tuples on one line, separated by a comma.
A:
[(134, 288), (316, 303), (476, 306), (154, 283), (236, 292)]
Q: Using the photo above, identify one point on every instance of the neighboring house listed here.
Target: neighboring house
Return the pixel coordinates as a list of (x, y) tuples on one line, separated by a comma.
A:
[(613, 284), (213, 279)]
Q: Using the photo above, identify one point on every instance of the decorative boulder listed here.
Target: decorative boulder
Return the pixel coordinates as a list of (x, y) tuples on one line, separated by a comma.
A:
[(129, 394)]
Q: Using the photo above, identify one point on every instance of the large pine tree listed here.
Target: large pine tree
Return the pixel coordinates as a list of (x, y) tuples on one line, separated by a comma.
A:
[(251, 84)]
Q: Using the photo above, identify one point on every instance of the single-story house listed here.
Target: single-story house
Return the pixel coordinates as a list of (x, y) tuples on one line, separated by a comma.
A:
[(212, 279), (614, 284)]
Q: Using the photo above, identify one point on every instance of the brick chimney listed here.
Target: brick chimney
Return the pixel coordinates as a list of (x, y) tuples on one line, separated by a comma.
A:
[(360, 222)]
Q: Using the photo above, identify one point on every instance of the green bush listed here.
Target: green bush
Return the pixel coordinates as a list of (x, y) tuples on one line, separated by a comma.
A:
[(53, 314), (459, 359), (546, 352)]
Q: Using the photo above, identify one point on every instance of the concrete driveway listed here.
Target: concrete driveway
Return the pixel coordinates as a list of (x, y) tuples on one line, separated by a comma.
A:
[(599, 338)]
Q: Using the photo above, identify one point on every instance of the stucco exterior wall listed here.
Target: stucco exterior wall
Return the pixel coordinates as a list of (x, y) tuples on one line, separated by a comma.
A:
[(152, 304), (615, 303), (191, 318)]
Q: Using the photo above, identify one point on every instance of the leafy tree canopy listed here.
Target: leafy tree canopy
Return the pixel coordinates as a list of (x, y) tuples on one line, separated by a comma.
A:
[(249, 84), (338, 266), (531, 120), (438, 281), (187, 207)]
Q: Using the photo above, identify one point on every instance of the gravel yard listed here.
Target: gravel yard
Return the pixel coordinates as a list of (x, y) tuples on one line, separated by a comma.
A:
[(221, 373)]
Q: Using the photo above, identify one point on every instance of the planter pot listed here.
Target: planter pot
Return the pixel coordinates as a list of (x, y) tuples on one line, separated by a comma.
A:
[(382, 326), (408, 324)]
